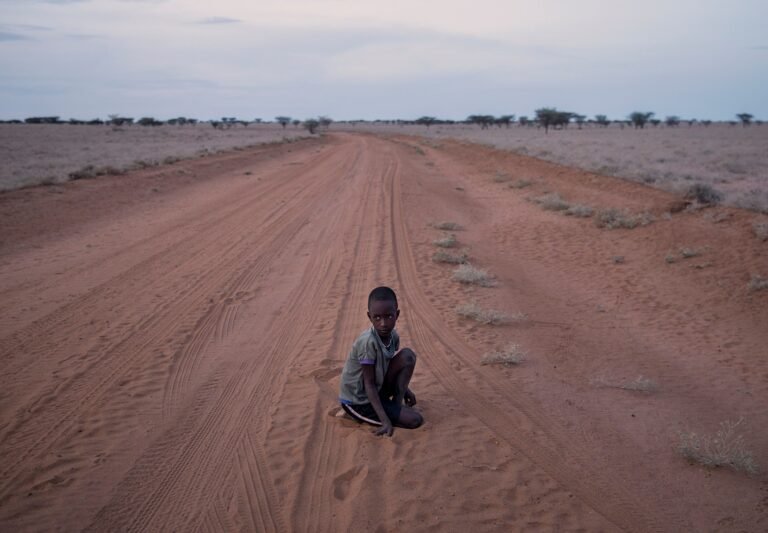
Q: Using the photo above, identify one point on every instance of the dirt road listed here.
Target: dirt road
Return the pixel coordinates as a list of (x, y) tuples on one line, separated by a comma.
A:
[(171, 343)]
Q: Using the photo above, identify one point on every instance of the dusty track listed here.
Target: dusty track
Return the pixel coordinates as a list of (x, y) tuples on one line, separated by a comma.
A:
[(171, 343)]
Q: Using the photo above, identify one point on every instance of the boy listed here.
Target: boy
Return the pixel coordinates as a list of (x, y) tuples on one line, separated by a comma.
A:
[(374, 382)]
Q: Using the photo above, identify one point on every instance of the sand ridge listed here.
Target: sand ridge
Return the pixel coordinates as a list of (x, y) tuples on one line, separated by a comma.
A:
[(171, 358)]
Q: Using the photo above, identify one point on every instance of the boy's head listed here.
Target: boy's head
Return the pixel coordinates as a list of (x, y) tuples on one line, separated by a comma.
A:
[(383, 311)]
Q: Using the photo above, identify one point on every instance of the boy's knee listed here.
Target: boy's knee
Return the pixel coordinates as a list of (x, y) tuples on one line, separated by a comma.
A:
[(409, 356), (412, 421)]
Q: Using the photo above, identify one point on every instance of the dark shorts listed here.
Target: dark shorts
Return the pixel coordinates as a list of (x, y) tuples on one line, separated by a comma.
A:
[(365, 412)]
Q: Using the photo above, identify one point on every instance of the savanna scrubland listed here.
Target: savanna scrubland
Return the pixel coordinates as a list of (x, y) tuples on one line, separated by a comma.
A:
[(591, 350)]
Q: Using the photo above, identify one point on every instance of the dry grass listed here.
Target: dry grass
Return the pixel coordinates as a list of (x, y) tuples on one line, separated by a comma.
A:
[(501, 177), (687, 253), (37, 153), (761, 230), (580, 211), (758, 283), (672, 159), (520, 184), (639, 384), (470, 275), (725, 448), (551, 202), (447, 241), (447, 226), (615, 219), (510, 355), (487, 316), (447, 257)]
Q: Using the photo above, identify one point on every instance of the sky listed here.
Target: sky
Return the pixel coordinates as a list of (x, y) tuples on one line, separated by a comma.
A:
[(399, 59)]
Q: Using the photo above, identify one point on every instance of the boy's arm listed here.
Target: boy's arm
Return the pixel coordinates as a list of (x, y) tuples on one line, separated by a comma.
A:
[(369, 380)]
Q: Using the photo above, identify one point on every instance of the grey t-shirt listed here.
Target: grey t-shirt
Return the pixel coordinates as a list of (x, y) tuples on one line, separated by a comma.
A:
[(366, 350)]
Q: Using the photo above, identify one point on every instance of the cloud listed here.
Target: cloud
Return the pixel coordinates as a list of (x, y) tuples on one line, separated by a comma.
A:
[(9, 36), (219, 20)]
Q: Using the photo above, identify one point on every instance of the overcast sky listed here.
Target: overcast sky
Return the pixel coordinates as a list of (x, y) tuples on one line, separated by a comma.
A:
[(353, 59)]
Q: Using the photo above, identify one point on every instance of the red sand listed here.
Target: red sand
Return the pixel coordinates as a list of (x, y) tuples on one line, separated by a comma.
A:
[(171, 342)]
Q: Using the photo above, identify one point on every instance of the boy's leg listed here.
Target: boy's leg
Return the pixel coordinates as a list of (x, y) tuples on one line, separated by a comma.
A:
[(395, 384)]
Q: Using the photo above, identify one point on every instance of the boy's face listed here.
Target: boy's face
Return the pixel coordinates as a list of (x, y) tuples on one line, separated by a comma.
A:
[(383, 315)]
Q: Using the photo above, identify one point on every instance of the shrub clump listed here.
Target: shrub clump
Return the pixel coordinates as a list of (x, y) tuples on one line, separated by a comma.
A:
[(447, 257), (581, 211), (520, 184), (448, 226), (551, 202), (447, 241), (761, 230), (704, 194), (469, 275), (510, 355), (758, 283), (725, 448), (487, 316), (614, 219)]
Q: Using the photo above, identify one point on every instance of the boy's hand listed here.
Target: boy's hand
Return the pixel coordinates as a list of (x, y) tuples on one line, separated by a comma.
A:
[(385, 429), (409, 398)]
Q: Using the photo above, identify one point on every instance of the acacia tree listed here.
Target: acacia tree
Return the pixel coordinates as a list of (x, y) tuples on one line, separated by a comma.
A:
[(483, 120), (551, 117), (505, 120), (311, 125), (325, 121), (283, 121), (426, 120), (639, 118), (745, 118), (672, 121), (580, 119), (602, 120)]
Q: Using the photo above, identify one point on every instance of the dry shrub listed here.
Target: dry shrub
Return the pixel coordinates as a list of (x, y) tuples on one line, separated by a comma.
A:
[(639, 384), (687, 253), (758, 283), (581, 211), (551, 202), (725, 448), (448, 226), (487, 316), (614, 219), (501, 177), (510, 355), (470, 275), (447, 241), (520, 184), (761, 230), (704, 194), (447, 257)]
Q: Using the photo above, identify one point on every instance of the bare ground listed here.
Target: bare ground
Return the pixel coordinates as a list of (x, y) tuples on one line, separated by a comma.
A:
[(171, 342)]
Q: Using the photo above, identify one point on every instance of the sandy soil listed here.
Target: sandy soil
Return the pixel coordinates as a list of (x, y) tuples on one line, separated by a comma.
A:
[(40, 153), (731, 159), (171, 343)]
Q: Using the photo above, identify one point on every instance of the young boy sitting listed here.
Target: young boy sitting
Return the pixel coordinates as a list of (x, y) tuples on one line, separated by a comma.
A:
[(374, 382)]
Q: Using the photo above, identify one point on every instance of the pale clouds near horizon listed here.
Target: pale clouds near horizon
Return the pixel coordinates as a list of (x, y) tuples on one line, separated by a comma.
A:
[(346, 59)]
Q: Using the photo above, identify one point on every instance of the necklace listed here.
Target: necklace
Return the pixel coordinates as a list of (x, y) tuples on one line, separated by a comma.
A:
[(389, 345)]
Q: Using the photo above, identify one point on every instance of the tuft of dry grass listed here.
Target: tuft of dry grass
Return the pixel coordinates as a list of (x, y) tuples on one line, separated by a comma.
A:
[(487, 316), (446, 241), (761, 230), (725, 448), (639, 384), (501, 177), (687, 253), (758, 283), (615, 219), (447, 226), (551, 202), (470, 275), (447, 257), (520, 184), (581, 211), (510, 355)]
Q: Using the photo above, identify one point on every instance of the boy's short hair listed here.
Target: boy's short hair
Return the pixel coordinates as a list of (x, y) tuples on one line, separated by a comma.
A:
[(382, 294)]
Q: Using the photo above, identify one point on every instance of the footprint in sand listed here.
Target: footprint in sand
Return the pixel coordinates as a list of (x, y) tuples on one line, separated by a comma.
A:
[(349, 482)]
